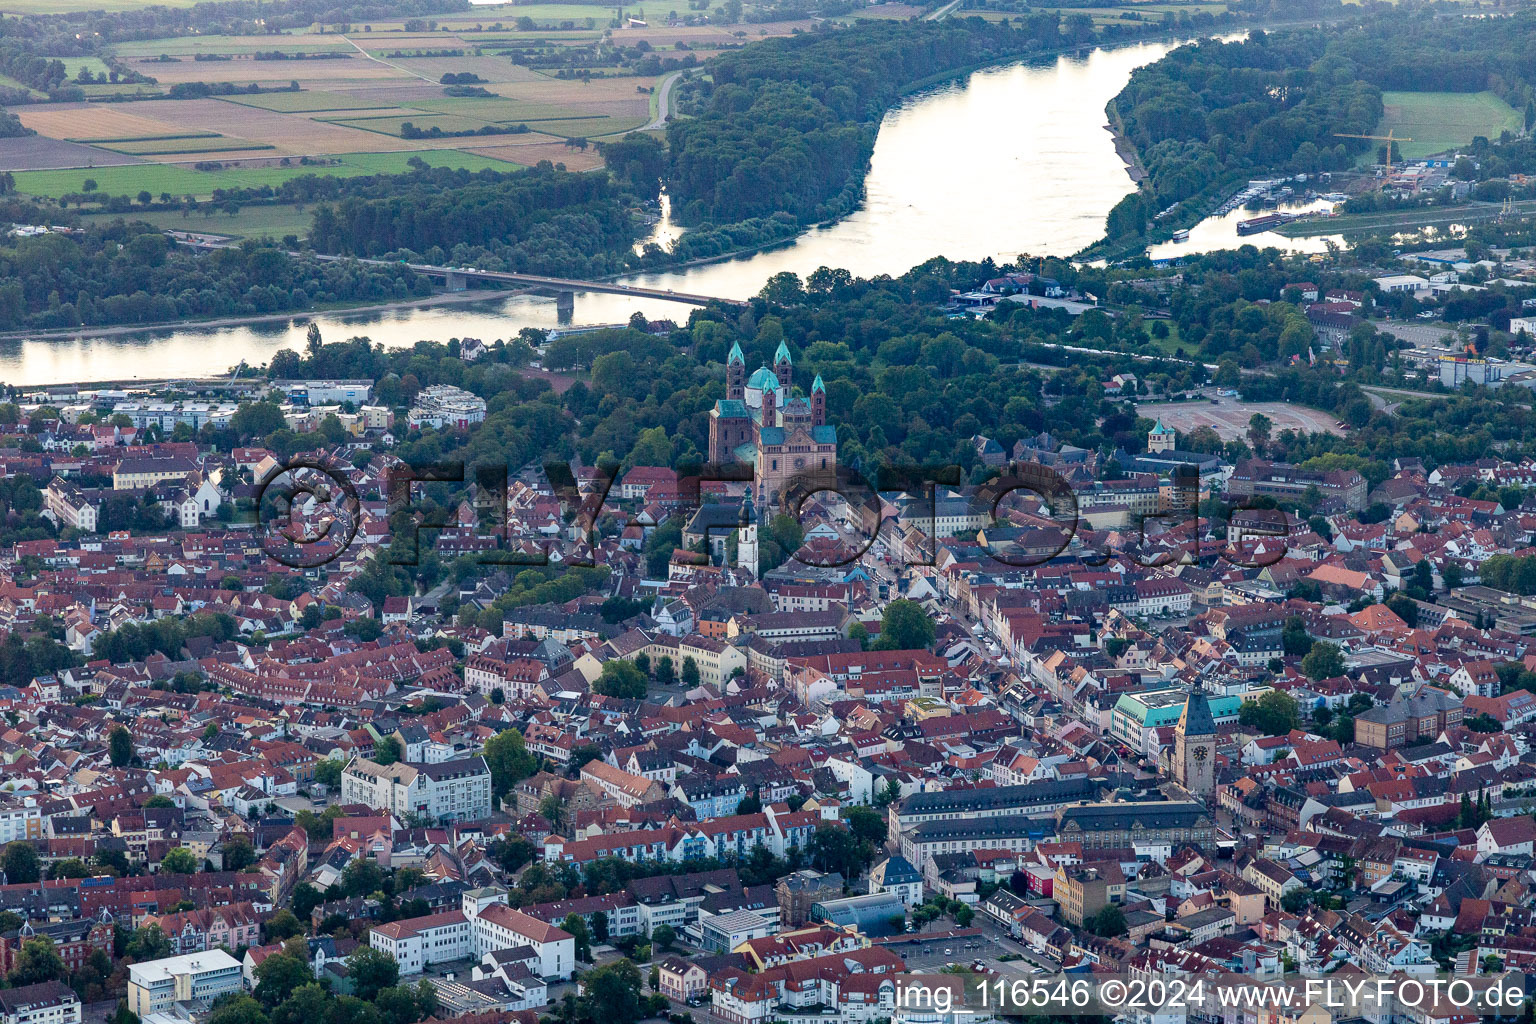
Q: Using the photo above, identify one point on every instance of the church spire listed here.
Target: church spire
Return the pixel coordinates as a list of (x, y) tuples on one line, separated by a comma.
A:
[(783, 367), (735, 373)]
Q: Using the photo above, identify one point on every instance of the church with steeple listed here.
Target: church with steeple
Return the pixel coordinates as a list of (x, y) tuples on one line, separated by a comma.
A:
[(1194, 746), (765, 421)]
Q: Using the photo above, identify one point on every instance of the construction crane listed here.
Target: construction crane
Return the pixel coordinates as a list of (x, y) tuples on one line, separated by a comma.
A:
[(1388, 138)]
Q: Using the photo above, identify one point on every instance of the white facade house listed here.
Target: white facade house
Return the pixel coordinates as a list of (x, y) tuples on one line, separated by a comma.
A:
[(47, 1002), (418, 942), (68, 506), (458, 790)]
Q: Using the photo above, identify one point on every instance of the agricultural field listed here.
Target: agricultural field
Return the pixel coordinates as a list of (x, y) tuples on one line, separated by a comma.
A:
[(232, 45), (588, 127), (530, 149), (1439, 121), (19, 7), (248, 222), (173, 147), (348, 111), (310, 74), (491, 69), (121, 89), (394, 125), (36, 152), (79, 122), (179, 179), (890, 12), (95, 65), (308, 101), (542, 14)]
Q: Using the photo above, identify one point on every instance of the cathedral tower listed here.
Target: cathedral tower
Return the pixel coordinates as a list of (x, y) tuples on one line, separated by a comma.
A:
[(770, 407), (783, 366), (735, 373), (818, 403)]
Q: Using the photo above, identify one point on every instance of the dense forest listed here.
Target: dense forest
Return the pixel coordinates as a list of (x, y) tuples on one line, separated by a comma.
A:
[(126, 273), (1210, 114), (537, 221)]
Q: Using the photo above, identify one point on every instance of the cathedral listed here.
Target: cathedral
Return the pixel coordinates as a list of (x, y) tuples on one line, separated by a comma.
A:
[(765, 421)]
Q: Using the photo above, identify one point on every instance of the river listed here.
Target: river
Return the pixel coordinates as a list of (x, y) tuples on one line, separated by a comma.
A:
[(1013, 159)]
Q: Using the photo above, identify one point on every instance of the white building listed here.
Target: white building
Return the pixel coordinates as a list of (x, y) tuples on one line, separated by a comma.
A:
[(1409, 283), (443, 405), (419, 942), (896, 875), (68, 506), (20, 818), (484, 924), (197, 978), (458, 790), (326, 392)]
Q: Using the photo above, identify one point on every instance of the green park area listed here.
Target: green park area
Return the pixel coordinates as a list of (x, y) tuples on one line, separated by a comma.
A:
[(1439, 121)]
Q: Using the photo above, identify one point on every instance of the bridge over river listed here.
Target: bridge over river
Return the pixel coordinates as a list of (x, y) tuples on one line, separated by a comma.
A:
[(458, 278)]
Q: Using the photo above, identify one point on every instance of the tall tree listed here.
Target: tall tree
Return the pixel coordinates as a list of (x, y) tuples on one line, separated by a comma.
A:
[(180, 861), (577, 926), (371, 970), (22, 864), (38, 961), (905, 626), (120, 747), (387, 750), (506, 754)]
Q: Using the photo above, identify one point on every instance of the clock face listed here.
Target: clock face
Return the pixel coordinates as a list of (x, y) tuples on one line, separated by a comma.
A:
[(1200, 754)]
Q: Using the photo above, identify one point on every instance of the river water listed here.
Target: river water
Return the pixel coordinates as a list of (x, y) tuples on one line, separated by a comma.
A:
[(1014, 159)]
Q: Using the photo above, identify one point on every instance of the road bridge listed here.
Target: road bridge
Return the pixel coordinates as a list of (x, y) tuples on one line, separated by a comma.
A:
[(458, 278)]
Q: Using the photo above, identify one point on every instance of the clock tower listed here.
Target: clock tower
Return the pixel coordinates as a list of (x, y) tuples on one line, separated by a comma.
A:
[(1194, 753)]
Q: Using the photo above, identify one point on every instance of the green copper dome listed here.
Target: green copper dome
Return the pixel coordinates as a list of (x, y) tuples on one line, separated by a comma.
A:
[(763, 379)]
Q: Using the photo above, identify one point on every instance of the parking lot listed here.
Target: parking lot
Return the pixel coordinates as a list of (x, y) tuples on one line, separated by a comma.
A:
[(934, 954)]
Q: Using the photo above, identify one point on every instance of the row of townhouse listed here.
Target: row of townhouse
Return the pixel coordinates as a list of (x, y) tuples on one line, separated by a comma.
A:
[(734, 836)]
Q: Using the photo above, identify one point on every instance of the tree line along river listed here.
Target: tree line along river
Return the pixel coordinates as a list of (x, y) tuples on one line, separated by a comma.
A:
[(1012, 159)]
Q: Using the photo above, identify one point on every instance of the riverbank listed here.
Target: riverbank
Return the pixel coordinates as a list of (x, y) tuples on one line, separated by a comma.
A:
[(1125, 149), (443, 299)]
